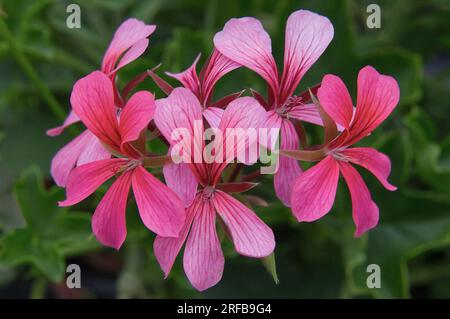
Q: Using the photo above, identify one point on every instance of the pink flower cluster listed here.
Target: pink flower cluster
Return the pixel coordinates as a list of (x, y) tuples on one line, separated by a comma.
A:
[(195, 197)]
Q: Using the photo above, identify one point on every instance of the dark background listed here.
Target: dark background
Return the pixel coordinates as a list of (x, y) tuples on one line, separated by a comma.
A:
[(40, 59)]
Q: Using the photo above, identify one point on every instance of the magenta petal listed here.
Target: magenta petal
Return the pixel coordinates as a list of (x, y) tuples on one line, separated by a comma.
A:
[(376, 162), (289, 168), (70, 119), (306, 113), (251, 237), (132, 54), (66, 158), (213, 115), (243, 113), (136, 115), (166, 249), (181, 180), (108, 221), (85, 179), (307, 36), (160, 208), (189, 78), (365, 211), (179, 111), (378, 95), (314, 191), (273, 121), (218, 66), (203, 259), (92, 100), (129, 33), (335, 100), (93, 151), (245, 41)]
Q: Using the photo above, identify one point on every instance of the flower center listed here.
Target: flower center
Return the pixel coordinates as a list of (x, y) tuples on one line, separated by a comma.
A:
[(207, 192), (336, 153), (131, 164), (290, 103)]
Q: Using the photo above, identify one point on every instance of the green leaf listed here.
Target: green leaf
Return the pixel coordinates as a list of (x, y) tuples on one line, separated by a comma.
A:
[(51, 233), (394, 242), (430, 168), (21, 247)]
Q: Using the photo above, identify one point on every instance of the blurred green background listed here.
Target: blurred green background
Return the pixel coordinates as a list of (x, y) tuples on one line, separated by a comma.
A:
[(40, 59)]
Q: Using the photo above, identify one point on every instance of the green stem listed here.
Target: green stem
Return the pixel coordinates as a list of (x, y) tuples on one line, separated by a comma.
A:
[(29, 70), (39, 288)]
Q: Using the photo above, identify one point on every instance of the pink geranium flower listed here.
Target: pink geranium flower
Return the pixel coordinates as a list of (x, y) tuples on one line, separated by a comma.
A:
[(129, 42), (160, 208), (314, 191), (307, 35), (203, 85), (203, 258)]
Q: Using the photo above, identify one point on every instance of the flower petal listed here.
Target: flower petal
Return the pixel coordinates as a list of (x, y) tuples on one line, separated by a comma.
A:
[(213, 115), (132, 53), (377, 97), (66, 158), (166, 249), (307, 36), (243, 113), (85, 179), (129, 33), (181, 111), (306, 113), (375, 162), (189, 78), (335, 100), (108, 221), (160, 208), (314, 191), (203, 259), (181, 180), (273, 121), (136, 115), (93, 151), (245, 41), (365, 211), (218, 66), (289, 168), (70, 119), (92, 100), (251, 237)]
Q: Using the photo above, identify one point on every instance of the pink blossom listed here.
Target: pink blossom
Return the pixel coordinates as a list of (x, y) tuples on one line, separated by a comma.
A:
[(245, 41), (314, 191), (202, 86), (160, 208), (128, 43), (203, 258)]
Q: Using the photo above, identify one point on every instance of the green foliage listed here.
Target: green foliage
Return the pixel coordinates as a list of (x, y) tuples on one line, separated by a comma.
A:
[(51, 233)]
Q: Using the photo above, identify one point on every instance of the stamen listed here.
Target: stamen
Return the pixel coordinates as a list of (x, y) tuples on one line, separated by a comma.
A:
[(290, 103), (336, 153)]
